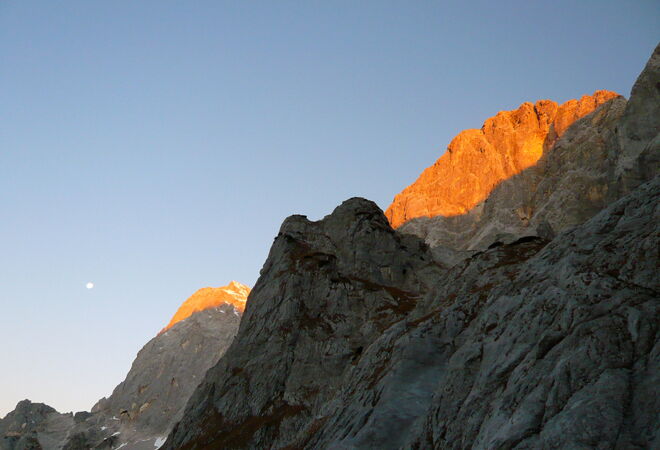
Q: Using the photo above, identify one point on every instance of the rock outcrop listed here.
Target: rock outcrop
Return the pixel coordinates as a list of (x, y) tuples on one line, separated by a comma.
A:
[(166, 372), (355, 336), (33, 426), (476, 161), (327, 291), (352, 338)]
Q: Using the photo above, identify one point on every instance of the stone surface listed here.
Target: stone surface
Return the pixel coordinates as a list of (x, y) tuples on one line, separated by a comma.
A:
[(22, 428), (476, 161)]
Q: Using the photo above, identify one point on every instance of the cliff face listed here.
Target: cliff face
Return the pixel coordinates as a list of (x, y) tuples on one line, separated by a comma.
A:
[(599, 158), (356, 340), (167, 370), (327, 291), (476, 161), (360, 336)]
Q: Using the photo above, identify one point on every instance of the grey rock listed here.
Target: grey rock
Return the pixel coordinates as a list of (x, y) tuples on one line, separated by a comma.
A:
[(168, 369), (327, 291), (531, 323), (143, 408), (531, 344)]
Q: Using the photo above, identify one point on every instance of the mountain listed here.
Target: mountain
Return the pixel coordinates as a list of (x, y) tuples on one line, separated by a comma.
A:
[(234, 294), (503, 335), (582, 168), (477, 160), (143, 408)]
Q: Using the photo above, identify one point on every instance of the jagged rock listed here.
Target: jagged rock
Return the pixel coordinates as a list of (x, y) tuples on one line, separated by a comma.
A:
[(143, 408), (567, 185), (33, 426), (476, 161), (638, 131), (527, 345), (599, 158), (327, 290), (168, 369), (353, 338)]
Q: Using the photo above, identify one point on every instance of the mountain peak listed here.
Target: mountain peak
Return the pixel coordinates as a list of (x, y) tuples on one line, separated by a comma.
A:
[(234, 293), (477, 160)]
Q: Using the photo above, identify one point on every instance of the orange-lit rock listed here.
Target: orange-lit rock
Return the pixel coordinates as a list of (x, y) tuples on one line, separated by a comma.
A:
[(234, 293), (477, 160)]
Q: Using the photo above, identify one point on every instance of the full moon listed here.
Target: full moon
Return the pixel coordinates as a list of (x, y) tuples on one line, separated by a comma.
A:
[(89, 285)]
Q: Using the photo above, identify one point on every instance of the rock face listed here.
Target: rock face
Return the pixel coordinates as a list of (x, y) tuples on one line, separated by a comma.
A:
[(359, 336), (234, 294), (355, 336), (327, 291), (354, 339), (476, 161), (599, 158), (143, 408), (166, 372)]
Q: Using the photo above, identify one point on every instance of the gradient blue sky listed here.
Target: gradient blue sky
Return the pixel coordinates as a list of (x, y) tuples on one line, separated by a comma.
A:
[(154, 147)]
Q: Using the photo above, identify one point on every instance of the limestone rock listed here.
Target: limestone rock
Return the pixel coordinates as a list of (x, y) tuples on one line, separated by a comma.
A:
[(143, 408), (352, 338), (356, 338), (167, 370), (327, 290), (598, 158), (476, 161)]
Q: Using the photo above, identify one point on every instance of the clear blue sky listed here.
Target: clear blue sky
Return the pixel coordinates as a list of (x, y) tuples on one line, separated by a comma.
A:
[(154, 147)]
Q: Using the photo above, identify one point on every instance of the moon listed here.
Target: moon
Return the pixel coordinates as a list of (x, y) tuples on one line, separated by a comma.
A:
[(89, 285)]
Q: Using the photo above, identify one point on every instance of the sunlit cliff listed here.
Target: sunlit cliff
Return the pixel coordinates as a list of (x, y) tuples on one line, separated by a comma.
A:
[(234, 293), (476, 160)]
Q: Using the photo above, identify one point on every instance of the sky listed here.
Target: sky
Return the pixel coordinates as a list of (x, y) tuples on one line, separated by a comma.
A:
[(154, 147)]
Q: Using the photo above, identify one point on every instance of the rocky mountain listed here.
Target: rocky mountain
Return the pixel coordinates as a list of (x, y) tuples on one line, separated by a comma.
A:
[(478, 160), (234, 294), (32, 426), (143, 408), (600, 157), (524, 313), (357, 335)]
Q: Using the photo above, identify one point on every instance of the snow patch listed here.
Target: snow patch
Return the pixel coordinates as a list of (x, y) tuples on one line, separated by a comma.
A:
[(160, 441)]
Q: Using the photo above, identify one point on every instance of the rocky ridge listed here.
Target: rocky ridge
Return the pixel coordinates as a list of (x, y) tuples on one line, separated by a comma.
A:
[(144, 407), (532, 323), (360, 336), (477, 160), (598, 159)]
